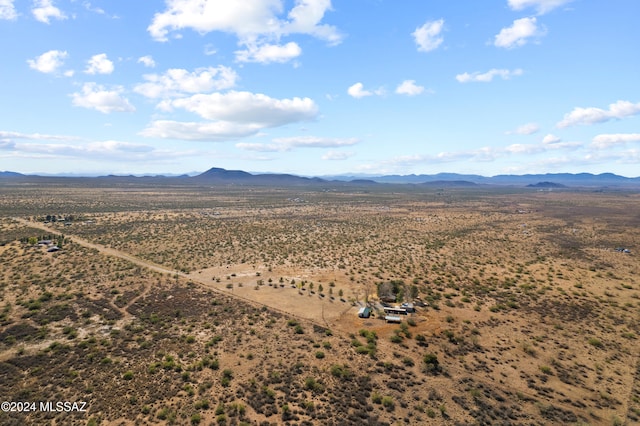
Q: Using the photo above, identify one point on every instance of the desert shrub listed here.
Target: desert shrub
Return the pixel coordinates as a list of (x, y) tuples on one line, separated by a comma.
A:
[(313, 385), (341, 371), (595, 342), (431, 363), (388, 403)]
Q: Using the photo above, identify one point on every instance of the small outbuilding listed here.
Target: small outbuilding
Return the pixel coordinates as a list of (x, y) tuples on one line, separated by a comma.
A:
[(364, 312), (395, 310), (393, 318), (408, 307)]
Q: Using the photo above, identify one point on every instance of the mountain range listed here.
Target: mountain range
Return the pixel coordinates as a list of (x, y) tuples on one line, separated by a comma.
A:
[(239, 177)]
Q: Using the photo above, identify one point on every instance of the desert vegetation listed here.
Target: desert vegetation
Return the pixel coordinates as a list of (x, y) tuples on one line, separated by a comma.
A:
[(201, 305)]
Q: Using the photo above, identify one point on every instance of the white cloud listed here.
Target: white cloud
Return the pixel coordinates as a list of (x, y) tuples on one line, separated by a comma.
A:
[(337, 155), (410, 88), (247, 107), (260, 147), (177, 81), (48, 62), (59, 146), (95, 96), (249, 20), (609, 140), (99, 64), (525, 129), (209, 50), (147, 61), (305, 18), (488, 76), (314, 142), (517, 34), (200, 131), (401, 163), (44, 10), (35, 136), (550, 139), (357, 91), (594, 115), (524, 148), (232, 115), (427, 36), (267, 53), (6, 145), (542, 6), (7, 10), (288, 144)]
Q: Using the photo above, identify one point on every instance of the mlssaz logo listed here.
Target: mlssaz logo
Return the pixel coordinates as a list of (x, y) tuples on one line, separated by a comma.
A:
[(63, 406)]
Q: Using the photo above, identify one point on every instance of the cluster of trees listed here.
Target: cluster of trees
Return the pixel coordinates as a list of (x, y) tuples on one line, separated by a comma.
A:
[(58, 218), (396, 291), (55, 239)]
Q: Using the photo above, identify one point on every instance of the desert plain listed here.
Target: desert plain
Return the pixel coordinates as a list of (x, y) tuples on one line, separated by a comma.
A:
[(156, 302)]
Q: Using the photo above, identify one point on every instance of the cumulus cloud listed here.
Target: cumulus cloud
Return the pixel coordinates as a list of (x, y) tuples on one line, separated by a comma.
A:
[(609, 140), (541, 6), (357, 91), (147, 61), (256, 24), (305, 18), (517, 34), (267, 53), (410, 88), (249, 20), (231, 115), (247, 107), (488, 76), (99, 64), (525, 129), (95, 96), (177, 82), (7, 10), (427, 36), (594, 115), (44, 10), (550, 139), (48, 62)]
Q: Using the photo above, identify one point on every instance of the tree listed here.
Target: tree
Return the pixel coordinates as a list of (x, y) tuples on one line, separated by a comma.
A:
[(320, 288)]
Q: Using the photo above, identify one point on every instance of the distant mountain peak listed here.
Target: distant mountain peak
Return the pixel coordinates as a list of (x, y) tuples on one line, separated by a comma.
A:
[(546, 185)]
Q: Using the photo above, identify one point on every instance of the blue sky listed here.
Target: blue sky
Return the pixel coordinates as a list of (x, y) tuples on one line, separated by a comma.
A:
[(320, 87)]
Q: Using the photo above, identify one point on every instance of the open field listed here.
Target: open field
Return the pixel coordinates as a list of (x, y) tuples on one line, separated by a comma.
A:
[(225, 305)]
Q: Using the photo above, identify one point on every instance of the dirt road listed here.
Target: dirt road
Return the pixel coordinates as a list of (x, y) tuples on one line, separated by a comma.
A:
[(315, 311)]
